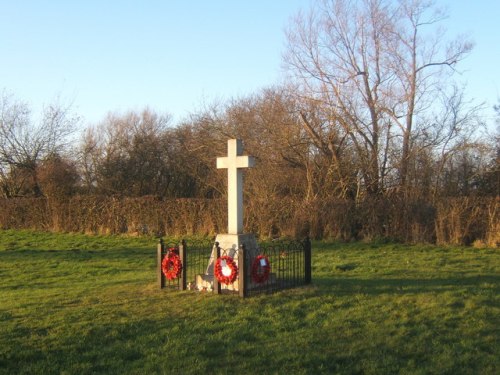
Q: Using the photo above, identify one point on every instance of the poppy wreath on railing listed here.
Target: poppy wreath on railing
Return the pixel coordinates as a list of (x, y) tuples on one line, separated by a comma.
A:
[(260, 269), (171, 265), (225, 270)]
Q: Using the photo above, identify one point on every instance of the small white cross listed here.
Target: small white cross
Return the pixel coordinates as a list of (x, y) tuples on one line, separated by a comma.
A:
[(234, 162)]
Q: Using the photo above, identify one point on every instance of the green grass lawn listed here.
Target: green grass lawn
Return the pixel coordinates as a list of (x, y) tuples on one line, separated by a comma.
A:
[(76, 304)]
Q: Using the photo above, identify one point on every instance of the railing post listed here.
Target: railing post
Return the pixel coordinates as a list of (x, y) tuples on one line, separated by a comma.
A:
[(241, 271), (217, 288), (183, 256), (159, 258), (307, 260)]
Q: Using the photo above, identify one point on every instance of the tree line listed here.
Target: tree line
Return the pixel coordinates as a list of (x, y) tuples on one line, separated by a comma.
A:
[(370, 111)]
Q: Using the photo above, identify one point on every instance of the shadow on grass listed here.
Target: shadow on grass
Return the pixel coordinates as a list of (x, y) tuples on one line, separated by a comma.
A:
[(172, 344), (75, 268), (378, 286), (75, 254), (102, 348), (244, 341)]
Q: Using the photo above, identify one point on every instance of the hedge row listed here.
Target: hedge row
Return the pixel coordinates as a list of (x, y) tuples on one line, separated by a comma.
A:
[(457, 221)]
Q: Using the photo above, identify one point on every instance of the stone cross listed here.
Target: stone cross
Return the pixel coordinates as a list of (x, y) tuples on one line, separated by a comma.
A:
[(234, 162)]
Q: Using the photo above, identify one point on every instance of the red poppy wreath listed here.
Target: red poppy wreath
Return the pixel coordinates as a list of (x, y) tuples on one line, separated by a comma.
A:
[(171, 265), (260, 269), (226, 270)]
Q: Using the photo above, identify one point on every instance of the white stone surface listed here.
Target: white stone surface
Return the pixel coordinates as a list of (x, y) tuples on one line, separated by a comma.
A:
[(235, 162)]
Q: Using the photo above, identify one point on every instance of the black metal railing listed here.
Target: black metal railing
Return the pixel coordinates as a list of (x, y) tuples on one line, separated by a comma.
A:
[(271, 267), (197, 259), (289, 266), (194, 258)]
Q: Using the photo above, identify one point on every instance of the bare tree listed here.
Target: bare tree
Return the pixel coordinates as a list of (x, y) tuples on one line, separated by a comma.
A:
[(57, 177), (270, 131), (24, 143), (374, 67), (134, 154)]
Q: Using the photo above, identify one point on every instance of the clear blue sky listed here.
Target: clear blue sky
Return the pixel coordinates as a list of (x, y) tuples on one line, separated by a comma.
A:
[(175, 55)]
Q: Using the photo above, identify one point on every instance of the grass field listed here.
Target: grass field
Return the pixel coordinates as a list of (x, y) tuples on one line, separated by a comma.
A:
[(76, 304)]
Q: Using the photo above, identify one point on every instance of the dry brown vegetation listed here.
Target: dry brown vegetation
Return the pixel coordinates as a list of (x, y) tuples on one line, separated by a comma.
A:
[(456, 221)]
